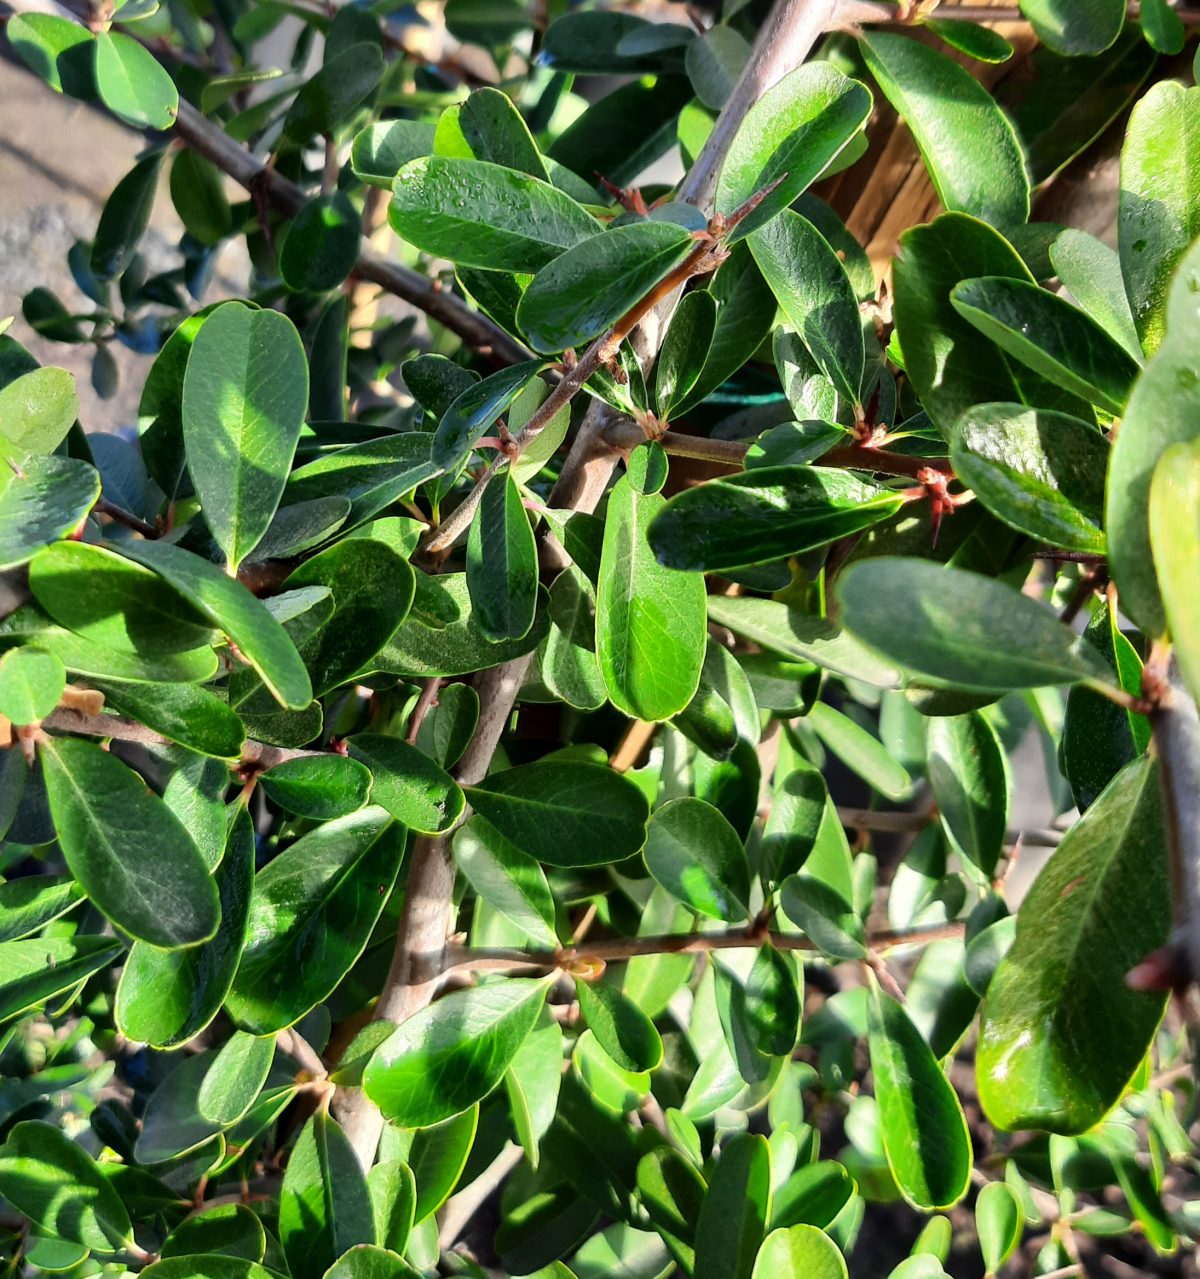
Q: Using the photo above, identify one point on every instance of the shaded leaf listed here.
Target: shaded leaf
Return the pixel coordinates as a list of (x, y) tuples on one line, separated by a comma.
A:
[(415, 789), (507, 879)]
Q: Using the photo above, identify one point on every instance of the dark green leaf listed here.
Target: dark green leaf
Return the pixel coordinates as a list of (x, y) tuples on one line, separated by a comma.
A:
[(394, 1196), (733, 1217), (502, 571), (372, 475), (827, 919), (1075, 29), (685, 350), (568, 659), (340, 86), (476, 408), (962, 630), (128, 851), (132, 84), (1057, 340), (29, 903), (861, 751), (672, 1192), (452, 1054), (625, 1033), (797, 128), (415, 789), (381, 150), (198, 194), (564, 813), (714, 61), (318, 786), (324, 1206), (494, 130), (979, 42), (589, 287), (48, 500), (484, 215), (312, 913), (969, 777), (229, 1230), (509, 880), (206, 1266), (320, 247), (1162, 27), (650, 620), (191, 716), (1099, 906), (365, 1261), (694, 853), (925, 1133), (797, 808), (1040, 472), (968, 144), (235, 1078)]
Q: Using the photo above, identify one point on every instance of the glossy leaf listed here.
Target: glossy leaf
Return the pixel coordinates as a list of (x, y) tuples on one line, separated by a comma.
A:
[(128, 851), (998, 1223), (502, 572), (393, 1196), (1091, 272), (827, 919), (36, 412), (733, 1217), (235, 1078), (1100, 905), (344, 82), (484, 215), (650, 620), (381, 150), (564, 813), (945, 106), (799, 1252), (37, 969), (318, 786), (324, 1206), (29, 903), (568, 659), (415, 789), (507, 879), (57, 49), (31, 682), (372, 475), (132, 84), (969, 777), (1039, 471), (532, 1083), (925, 1134), (590, 286), (797, 128), (229, 1230), (1057, 340), (963, 630), (48, 500), (1075, 29), (1175, 537), (476, 408), (166, 998), (694, 853), (365, 1261), (320, 897), (625, 1033), (321, 244), (453, 1053)]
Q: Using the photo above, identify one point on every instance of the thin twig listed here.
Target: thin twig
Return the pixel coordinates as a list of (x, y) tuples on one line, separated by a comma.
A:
[(427, 700), (114, 512)]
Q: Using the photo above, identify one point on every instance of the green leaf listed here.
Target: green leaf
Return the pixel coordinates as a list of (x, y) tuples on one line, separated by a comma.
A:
[(969, 777), (1162, 27), (569, 666), (733, 1217), (393, 1196), (191, 716), (1075, 29), (813, 289), (797, 128), (799, 1252), (452, 1054), (476, 409), (1100, 905), (625, 1033), (968, 144), (320, 247), (686, 348), (714, 61), (324, 1206), (373, 589), (962, 630), (365, 1261), (372, 475), (48, 500), (671, 1191), (166, 998), (495, 131), (311, 916), (206, 1266), (229, 1230), (695, 854), (31, 682), (802, 636), (198, 194), (437, 1156), (260, 639), (1039, 471), (827, 919), (318, 786), (381, 150), (36, 970), (999, 1222), (57, 49), (128, 851), (1159, 211), (532, 1083), (790, 831), (484, 215), (502, 570), (813, 1195), (564, 813), (1062, 343), (36, 412), (60, 1188), (131, 83), (1175, 537), (328, 98), (415, 789), (29, 903), (235, 1078), (507, 879), (1091, 272), (925, 1134), (976, 41), (861, 751), (545, 444), (650, 620), (589, 287), (244, 397)]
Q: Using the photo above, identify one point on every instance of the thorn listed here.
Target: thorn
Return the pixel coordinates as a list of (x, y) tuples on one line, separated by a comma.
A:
[(629, 198)]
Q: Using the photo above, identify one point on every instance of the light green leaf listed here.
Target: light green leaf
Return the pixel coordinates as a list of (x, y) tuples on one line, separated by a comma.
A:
[(48, 500), (415, 789), (685, 350), (532, 1083), (733, 1217), (132, 84), (925, 1134), (569, 666), (393, 1196), (984, 44), (39, 968), (799, 1252), (31, 682), (1091, 272), (502, 570), (999, 1222), (860, 751), (509, 880), (1100, 905), (324, 1205), (564, 813), (969, 777), (1175, 537), (695, 854), (452, 1054), (60, 1188), (484, 215), (968, 144), (650, 620), (311, 916), (29, 903), (494, 130), (235, 1078), (36, 412), (825, 916), (365, 1261), (229, 1230), (128, 851), (1039, 471), (57, 49), (545, 444), (797, 128), (244, 397), (962, 630), (589, 287)]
